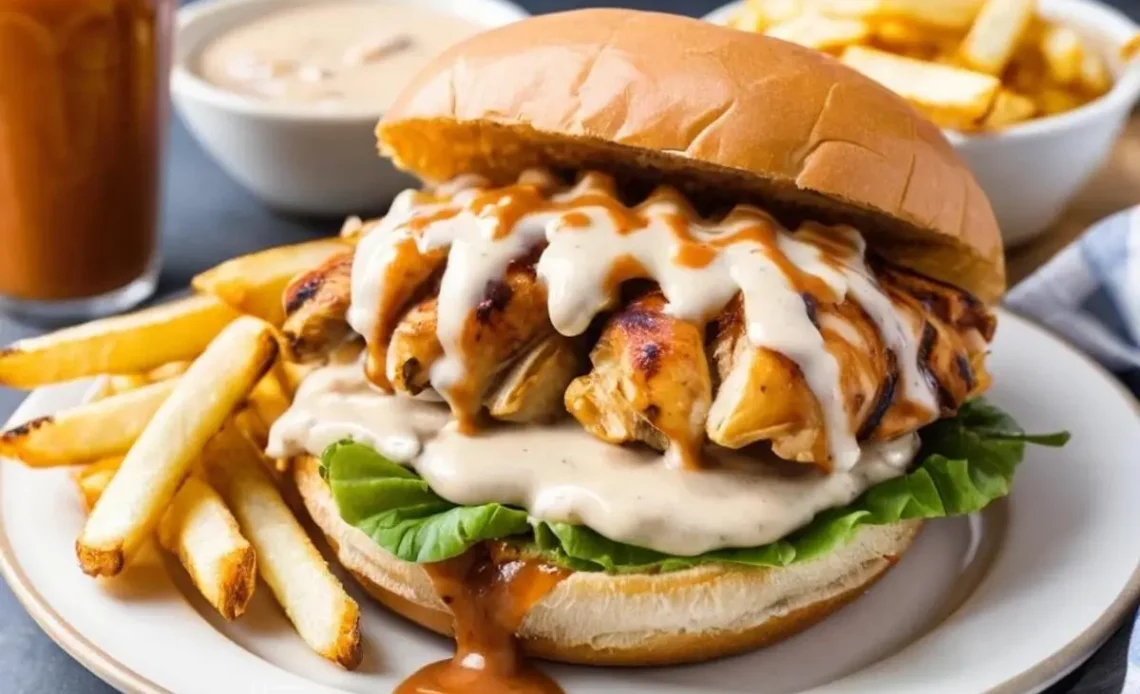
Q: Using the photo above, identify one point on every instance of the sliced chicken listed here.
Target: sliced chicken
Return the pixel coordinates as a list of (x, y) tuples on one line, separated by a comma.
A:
[(408, 276), (534, 387), (650, 381), (958, 309), (764, 397), (511, 317), (414, 348), (315, 306)]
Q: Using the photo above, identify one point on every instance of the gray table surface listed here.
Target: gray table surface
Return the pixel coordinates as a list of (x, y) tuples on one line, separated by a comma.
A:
[(207, 218)]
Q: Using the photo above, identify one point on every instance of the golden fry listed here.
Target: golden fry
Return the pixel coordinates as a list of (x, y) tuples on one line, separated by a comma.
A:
[(123, 383), (202, 533), (202, 400), (314, 600), (995, 35), (1009, 108), (820, 32), (1095, 77), (168, 371), (93, 479), (269, 398), (1063, 53), (940, 14), (134, 343), (949, 96), (253, 284), (98, 429)]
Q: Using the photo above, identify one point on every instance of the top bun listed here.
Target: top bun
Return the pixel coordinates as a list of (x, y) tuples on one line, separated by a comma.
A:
[(725, 115)]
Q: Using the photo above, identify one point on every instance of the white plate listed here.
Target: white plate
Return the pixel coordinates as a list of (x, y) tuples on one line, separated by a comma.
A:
[(1007, 601)]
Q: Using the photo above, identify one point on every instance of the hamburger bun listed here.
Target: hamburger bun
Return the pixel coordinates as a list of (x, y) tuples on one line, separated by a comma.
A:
[(726, 116), (633, 619)]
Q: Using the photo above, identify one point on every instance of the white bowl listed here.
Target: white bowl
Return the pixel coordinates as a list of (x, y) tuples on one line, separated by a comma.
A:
[(1031, 171), (296, 158)]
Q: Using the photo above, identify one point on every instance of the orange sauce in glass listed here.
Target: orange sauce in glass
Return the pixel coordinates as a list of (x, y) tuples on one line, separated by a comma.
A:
[(82, 106), (489, 595)]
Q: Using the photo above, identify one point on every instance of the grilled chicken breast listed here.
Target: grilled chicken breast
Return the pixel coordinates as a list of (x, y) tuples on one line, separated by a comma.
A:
[(650, 381), (415, 348), (533, 388), (315, 306), (763, 396), (511, 317)]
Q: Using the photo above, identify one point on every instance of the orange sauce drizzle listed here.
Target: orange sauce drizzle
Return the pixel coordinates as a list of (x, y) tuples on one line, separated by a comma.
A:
[(489, 595)]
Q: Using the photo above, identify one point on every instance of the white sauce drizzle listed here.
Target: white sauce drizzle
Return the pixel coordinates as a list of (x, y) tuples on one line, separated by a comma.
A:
[(563, 474), (578, 260)]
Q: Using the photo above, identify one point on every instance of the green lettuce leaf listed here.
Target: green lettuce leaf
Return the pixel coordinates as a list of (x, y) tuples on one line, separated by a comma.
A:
[(965, 462)]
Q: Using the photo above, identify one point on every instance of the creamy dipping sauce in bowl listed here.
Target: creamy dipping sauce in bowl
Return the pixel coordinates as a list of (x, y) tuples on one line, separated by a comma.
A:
[(354, 55)]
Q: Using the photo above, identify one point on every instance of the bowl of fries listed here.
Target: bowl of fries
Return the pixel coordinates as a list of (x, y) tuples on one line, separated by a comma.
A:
[(1031, 93)]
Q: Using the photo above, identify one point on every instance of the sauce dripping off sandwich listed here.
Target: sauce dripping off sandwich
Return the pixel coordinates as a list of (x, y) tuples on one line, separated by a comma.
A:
[(489, 594)]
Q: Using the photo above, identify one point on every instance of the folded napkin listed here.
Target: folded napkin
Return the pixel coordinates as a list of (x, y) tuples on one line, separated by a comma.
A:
[(1090, 295)]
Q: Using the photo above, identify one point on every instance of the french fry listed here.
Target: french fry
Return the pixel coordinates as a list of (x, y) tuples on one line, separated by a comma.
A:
[(202, 533), (254, 283), (249, 423), (1009, 108), (167, 371), (1130, 48), (996, 34), (203, 398), (314, 600), (1063, 53), (758, 15), (949, 96), (123, 383), (820, 32), (942, 14), (107, 427), (1055, 100), (94, 478), (269, 398), (1095, 77), (129, 344)]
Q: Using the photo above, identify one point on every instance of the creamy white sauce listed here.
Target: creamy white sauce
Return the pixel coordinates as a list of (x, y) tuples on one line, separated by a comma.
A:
[(561, 473), (578, 261), (339, 54)]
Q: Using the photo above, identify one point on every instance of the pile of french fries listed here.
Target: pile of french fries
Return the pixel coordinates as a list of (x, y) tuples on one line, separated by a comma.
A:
[(968, 65), (170, 448)]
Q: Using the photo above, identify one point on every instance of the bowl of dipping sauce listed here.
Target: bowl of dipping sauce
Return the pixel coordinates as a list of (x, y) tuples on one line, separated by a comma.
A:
[(285, 94)]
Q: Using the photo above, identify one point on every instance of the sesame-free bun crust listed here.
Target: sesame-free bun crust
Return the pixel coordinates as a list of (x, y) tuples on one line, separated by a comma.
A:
[(662, 619), (725, 115)]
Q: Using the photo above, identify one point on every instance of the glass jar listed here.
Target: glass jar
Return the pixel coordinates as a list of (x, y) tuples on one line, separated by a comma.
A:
[(83, 109)]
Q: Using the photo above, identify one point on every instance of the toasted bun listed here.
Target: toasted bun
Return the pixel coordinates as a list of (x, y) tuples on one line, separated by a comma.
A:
[(599, 619), (714, 111)]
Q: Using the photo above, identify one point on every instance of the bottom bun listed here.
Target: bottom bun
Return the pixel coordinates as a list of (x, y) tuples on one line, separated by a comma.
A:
[(637, 619)]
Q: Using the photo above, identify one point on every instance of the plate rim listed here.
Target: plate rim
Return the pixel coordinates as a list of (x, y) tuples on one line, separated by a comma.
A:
[(1036, 678)]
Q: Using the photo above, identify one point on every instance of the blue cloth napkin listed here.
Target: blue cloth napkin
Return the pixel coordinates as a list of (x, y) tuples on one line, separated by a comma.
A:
[(1090, 295)]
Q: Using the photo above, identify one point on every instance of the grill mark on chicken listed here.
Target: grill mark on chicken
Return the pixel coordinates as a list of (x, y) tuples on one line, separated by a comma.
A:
[(926, 349), (408, 372), (946, 400), (811, 305), (302, 293), (26, 428), (649, 359), (962, 363), (886, 398), (495, 298)]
